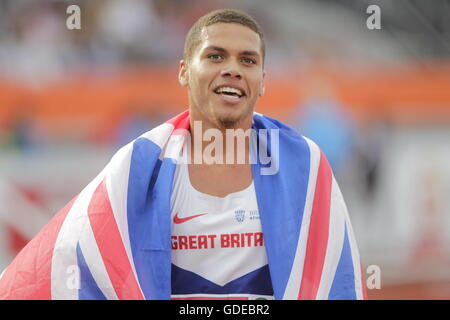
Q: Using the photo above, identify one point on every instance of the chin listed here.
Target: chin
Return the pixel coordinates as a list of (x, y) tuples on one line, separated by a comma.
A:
[(230, 120), (228, 123)]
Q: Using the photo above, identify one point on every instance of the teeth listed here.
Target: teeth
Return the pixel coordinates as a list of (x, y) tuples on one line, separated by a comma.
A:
[(229, 90)]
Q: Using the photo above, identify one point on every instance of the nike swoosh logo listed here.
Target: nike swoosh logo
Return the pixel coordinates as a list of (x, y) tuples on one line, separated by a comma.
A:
[(181, 220)]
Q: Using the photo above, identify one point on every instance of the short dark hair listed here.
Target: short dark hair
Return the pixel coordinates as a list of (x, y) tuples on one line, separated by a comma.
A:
[(217, 16)]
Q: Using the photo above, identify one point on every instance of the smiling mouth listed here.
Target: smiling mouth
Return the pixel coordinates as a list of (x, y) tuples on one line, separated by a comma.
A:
[(228, 91), (229, 95)]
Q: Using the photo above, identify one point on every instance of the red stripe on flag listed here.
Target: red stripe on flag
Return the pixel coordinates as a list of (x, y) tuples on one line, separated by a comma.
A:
[(363, 284), (180, 121), (112, 250), (318, 233), (28, 277)]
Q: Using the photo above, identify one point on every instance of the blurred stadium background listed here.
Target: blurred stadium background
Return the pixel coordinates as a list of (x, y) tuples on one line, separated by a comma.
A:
[(376, 101)]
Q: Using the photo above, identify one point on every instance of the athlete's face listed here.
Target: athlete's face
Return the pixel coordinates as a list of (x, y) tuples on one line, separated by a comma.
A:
[(224, 76)]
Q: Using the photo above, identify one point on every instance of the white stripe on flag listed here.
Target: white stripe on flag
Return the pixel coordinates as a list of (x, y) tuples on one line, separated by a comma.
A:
[(354, 250), (117, 176), (159, 135), (64, 259), (294, 282), (174, 147), (336, 235), (95, 263), (356, 262)]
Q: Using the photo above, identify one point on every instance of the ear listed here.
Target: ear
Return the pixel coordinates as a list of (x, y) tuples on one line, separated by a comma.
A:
[(182, 74), (262, 88)]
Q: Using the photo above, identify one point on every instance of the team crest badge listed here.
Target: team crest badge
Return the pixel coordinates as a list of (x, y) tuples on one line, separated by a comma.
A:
[(239, 215)]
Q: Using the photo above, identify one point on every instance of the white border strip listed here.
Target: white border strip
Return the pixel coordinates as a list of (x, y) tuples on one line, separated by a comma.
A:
[(220, 296)]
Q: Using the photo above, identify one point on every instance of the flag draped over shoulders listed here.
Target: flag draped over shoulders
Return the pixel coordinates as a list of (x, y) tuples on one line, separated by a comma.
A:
[(113, 240)]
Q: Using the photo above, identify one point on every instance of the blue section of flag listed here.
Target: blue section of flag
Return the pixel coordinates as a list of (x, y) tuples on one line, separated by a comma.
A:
[(255, 282), (281, 212), (343, 287), (88, 287), (149, 189)]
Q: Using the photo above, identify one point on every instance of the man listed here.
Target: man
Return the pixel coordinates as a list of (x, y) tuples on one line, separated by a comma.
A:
[(263, 218)]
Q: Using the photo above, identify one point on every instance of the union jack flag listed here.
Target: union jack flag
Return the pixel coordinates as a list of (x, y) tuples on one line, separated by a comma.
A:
[(112, 241)]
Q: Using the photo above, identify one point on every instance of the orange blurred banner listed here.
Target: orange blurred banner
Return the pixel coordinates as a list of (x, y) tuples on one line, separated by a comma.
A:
[(405, 95)]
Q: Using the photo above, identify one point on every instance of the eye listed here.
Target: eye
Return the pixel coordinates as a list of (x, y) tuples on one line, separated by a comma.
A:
[(215, 57), (248, 60)]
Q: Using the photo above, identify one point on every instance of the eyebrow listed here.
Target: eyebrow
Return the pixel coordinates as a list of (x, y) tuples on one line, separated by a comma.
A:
[(245, 52)]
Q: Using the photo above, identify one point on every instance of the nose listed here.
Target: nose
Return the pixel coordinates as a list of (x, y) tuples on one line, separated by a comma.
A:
[(231, 71)]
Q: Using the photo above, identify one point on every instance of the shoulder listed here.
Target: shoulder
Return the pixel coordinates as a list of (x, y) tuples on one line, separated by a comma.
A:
[(289, 139)]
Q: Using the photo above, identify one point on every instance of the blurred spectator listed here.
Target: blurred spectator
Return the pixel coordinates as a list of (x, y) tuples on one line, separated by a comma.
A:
[(323, 119), (371, 146), (140, 30), (23, 133), (35, 47), (138, 120)]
